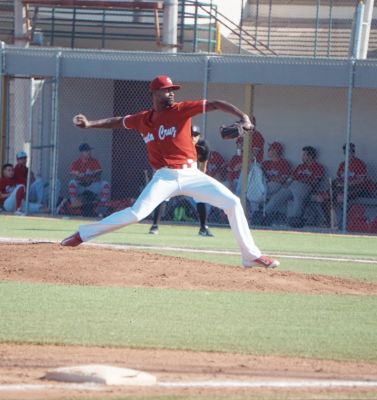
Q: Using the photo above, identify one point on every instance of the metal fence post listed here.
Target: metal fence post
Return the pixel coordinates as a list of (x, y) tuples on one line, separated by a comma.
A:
[(348, 141), (3, 108), (55, 134), (241, 28), (205, 91), (329, 33), (247, 139), (29, 144), (269, 23), (316, 27)]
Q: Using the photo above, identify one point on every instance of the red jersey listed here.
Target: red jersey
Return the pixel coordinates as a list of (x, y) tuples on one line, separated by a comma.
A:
[(168, 138), (357, 169), (20, 173), (233, 167), (257, 142), (276, 171), (86, 169), (88, 166), (215, 164), (7, 185), (308, 173)]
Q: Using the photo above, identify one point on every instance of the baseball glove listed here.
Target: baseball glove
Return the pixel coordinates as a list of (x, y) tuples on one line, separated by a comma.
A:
[(233, 131)]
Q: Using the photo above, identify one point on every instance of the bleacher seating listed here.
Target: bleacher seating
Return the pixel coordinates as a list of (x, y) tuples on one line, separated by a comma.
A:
[(301, 37)]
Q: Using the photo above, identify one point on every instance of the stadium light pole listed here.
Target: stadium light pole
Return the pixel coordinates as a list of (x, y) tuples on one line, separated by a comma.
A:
[(20, 24), (365, 33), (170, 28)]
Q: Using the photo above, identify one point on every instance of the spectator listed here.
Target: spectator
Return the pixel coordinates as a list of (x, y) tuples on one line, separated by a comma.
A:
[(276, 171), (256, 144), (357, 177), (233, 171), (38, 192), (86, 185), (256, 152), (12, 193), (304, 179), (21, 170), (358, 185), (216, 166), (277, 168)]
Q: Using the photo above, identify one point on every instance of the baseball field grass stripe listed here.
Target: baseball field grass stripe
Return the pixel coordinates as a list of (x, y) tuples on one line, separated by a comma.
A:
[(347, 270), (315, 326), (275, 242)]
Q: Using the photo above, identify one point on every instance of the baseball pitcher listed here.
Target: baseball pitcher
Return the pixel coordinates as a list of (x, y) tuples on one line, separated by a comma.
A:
[(166, 130)]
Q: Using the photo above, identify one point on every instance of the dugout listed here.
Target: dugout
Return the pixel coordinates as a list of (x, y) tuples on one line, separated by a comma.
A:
[(298, 101)]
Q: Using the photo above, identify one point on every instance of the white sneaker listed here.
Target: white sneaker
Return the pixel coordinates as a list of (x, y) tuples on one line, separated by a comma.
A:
[(61, 205), (154, 230), (264, 261), (19, 213)]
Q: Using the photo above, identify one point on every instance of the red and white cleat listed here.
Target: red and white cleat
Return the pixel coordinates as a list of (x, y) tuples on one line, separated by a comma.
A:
[(72, 241), (264, 261)]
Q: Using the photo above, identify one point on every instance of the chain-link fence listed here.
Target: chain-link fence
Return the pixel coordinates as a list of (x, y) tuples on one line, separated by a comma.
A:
[(306, 138)]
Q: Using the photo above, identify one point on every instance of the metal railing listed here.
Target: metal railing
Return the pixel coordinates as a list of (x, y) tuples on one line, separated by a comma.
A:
[(198, 26), (263, 31)]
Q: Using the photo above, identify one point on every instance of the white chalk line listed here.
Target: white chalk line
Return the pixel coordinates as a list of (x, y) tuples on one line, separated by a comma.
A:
[(211, 384), (317, 383), (23, 387), (200, 251)]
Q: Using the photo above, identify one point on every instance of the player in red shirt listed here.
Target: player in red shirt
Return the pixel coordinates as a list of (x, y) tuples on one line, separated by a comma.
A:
[(38, 191), (305, 178), (216, 166), (357, 177), (256, 143), (232, 172), (166, 130), (11, 192), (203, 154), (276, 169), (86, 172), (21, 170), (256, 154)]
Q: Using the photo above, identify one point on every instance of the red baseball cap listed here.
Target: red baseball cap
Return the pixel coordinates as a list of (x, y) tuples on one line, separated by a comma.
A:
[(162, 82), (278, 147)]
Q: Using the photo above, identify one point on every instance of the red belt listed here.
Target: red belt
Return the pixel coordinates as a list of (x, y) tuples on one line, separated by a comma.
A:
[(183, 166)]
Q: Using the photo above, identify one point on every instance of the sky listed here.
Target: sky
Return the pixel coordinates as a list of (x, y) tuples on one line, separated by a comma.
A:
[(230, 8)]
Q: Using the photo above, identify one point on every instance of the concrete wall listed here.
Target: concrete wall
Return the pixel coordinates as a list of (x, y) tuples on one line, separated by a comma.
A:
[(295, 116)]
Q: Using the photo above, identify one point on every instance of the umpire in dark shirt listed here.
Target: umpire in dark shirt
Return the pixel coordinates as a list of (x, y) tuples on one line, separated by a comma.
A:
[(203, 153)]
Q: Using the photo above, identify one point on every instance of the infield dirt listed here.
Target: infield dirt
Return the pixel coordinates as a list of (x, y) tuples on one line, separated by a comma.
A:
[(86, 265)]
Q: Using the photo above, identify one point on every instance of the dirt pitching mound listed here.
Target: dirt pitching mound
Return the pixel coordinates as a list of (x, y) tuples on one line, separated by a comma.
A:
[(90, 265)]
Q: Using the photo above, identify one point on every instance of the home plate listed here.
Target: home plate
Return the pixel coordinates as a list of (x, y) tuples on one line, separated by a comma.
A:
[(101, 374)]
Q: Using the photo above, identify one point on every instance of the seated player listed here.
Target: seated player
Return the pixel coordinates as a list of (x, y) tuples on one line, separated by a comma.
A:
[(86, 172), (12, 193), (304, 179)]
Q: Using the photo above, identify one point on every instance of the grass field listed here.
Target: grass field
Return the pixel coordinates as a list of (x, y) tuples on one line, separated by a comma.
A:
[(335, 327), (327, 326)]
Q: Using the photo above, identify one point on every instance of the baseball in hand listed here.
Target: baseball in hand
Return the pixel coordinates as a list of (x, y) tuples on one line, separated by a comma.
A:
[(80, 121)]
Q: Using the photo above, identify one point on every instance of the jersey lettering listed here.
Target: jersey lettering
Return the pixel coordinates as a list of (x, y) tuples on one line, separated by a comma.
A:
[(165, 132), (148, 137)]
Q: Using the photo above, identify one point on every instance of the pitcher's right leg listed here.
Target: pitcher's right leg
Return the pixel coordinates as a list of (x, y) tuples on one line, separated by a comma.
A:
[(161, 186)]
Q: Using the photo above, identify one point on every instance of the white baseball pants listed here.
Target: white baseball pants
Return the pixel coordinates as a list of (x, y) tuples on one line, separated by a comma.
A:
[(176, 182), (10, 202)]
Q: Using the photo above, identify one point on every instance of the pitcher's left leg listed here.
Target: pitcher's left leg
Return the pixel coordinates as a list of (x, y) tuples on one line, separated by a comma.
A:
[(206, 189)]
